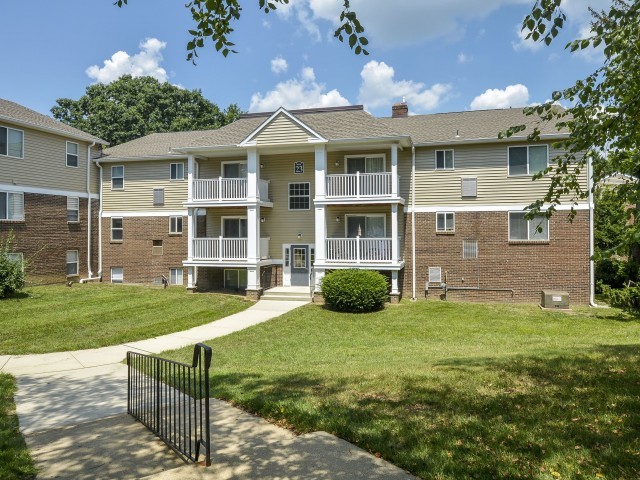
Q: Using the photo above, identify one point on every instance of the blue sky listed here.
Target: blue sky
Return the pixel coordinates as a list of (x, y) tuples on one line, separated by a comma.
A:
[(442, 55)]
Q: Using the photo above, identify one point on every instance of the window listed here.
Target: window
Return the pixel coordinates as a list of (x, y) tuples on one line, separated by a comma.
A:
[(445, 222), (300, 257), (117, 177), (366, 226), (177, 171), (435, 275), (234, 227), (175, 225), (365, 164), (528, 160), (11, 142), (287, 252), (11, 206), (299, 194), (158, 197), (444, 159), (175, 276), (156, 247), (234, 170), (117, 229), (522, 229), (469, 249), (73, 209), (469, 187), (72, 262), (235, 279), (72, 154), (117, 275), (16, 257)]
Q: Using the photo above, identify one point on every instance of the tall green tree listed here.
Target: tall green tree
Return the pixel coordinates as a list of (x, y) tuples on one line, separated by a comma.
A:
[(132, 107)]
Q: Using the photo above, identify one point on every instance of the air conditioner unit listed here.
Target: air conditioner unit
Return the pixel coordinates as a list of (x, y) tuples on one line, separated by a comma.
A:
[(554, 299)]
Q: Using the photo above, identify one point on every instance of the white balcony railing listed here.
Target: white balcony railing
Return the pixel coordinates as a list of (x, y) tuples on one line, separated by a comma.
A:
[(358, 250), (225, 249), (358, 185), (226, 189)]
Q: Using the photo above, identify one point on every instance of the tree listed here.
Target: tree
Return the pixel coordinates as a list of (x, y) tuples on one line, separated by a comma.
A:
[(213, 20), (131, 107), (11, 271)]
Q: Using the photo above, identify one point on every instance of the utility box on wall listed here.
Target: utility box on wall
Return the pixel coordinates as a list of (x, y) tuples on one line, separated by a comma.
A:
[(554, 299)]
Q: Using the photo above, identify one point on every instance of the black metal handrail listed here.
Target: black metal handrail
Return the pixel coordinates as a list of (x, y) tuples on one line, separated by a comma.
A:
[(172, 400)]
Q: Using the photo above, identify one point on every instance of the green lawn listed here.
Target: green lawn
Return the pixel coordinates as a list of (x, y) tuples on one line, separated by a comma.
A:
[(15, 461), (450, 390), (59, 318)]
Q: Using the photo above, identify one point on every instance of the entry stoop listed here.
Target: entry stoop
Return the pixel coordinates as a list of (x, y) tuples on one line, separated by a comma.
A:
[(287, 294)]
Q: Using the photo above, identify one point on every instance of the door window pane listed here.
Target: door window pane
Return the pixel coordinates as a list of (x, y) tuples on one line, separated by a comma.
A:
[(299, 258), (235, 228), (234, 170), (356, 165), (375, 165), (355, 226), (374, 227)]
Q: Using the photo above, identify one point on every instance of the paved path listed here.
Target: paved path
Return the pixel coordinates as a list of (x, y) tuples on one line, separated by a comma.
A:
[(72, 410)]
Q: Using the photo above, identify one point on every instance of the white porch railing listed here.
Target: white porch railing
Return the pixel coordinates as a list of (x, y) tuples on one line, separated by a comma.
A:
[(220, 248), (229, 189), (359, 185), (358, 250)]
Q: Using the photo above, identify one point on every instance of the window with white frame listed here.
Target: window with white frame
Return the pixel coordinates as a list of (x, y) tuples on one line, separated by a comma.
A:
[(176, 171), (299, 196), (73, 209), (445, 222), (235, 279), (117, 177), (72, 154), (16, 257), (234, 169), (72, 262), (366, 164), (117, 229), (366, 226), (469, 249), (11, 206), (176, 276), (11, 142), (528, 160), (234, 227), (175, 225), (521, 228), (117, 275), (444, 159)]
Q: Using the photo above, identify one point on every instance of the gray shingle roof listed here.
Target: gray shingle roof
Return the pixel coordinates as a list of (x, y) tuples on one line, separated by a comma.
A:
[(471, 125), (25, 116), (351, 123)]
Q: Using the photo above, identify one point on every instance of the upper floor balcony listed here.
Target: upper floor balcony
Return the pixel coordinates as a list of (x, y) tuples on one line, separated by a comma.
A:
[(361, 186), (225, 191)]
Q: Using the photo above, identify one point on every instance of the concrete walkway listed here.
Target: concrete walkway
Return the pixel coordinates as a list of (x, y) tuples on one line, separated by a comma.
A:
[(72, 411)]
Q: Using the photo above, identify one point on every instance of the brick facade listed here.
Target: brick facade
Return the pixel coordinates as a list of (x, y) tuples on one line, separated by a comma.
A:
[(134, 252), (45, 236), (562, 263)]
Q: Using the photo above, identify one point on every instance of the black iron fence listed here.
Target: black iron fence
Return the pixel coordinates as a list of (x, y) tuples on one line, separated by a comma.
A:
[(172, 400)]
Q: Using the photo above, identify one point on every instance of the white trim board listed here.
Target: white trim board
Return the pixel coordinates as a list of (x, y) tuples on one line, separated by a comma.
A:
[(487, 208), (149, 213), (45, 191)]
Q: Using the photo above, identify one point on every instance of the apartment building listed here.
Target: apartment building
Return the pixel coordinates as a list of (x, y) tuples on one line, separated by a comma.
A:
[(281, 198), (48, 194)]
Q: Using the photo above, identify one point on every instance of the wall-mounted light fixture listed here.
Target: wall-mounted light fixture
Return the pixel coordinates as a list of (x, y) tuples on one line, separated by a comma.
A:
[(261, 165), (262, 219), (337, 163), (299, 235), (338, 219)]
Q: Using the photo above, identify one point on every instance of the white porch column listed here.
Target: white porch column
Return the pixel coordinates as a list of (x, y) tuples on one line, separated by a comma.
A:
[(395, 243), (253, 174), (191, 175), (320, 217), (190, 232), (253, 234), (319, 273), (394, 170), (253, 278), (394, 283)]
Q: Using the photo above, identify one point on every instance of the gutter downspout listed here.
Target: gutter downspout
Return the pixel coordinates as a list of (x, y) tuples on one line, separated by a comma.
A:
[(100, 225), (413, 223), (89, 209), (592, 275)]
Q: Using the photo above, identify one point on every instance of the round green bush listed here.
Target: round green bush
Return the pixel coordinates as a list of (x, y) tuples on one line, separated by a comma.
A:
[(355, 290)]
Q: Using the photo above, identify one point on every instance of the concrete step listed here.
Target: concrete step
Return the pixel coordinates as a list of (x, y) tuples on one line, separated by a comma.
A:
[(286, 298), (302, 294)]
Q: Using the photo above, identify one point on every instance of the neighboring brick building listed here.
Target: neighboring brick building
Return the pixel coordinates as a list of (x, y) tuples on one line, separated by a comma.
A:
[(46, 186)]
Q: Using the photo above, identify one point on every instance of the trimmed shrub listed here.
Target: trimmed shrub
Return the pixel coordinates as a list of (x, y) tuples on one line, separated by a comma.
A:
[(11, 272), (627, 298), (354, 290)]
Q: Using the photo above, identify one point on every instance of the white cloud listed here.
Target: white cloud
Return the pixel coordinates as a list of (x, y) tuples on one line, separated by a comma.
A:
[(380, 89), (299, 10), (464, 58), (279, 65), (145, 63), (512, 96), (301, 92)]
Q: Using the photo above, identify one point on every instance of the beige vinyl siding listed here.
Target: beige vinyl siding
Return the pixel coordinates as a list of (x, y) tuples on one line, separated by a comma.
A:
[(488, 163), (140, 178), (210, 168), (214, 219), (404, 172), (282, 131), (281, 224), (45, 163)]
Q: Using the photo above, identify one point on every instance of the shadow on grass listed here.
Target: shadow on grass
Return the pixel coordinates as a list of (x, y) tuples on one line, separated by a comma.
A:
[(16, 296), (575, 416)]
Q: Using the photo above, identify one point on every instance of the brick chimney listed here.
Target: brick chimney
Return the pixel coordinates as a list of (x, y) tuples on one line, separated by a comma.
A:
[(400, 110)]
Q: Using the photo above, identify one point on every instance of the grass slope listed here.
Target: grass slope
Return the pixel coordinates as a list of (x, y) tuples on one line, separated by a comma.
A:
[(59, 318), (448, 390)]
